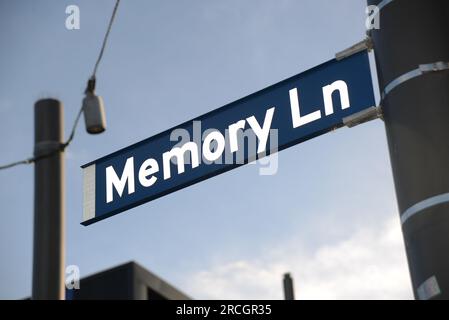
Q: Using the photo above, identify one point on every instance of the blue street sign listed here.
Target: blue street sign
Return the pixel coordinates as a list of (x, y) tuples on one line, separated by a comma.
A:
[(287, 113)]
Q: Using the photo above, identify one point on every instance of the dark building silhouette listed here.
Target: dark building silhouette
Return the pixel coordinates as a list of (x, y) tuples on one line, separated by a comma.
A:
[(129, 281)]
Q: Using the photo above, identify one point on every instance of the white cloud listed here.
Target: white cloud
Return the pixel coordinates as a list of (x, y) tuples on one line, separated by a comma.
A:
[(368, 264)]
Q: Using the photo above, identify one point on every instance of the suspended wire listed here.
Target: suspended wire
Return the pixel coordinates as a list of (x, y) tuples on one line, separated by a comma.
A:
[(72, 133), (13, 164), (50, 153), (90, 88), (106, 36)]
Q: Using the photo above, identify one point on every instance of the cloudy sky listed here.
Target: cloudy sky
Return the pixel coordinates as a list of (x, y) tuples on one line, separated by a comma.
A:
[(329, 215)]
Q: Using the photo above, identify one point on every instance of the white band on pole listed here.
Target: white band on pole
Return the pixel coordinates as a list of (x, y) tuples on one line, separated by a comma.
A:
[(422, 69), (383, 4), (425, 204)]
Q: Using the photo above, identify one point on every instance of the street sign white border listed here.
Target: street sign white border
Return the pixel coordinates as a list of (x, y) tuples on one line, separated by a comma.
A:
[(89, 192)]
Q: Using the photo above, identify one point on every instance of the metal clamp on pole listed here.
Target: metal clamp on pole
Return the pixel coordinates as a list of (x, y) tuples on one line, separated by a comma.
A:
[(44, 148), (366, 44), (421, 70), (363, 116)]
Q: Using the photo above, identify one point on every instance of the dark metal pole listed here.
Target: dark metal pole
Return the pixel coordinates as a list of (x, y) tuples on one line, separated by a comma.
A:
[(48, 259), (288, 287), (416, 113)]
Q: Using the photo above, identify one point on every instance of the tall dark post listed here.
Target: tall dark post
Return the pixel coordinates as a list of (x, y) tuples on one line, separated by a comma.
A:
[(415, 33), (289, 293), (48, 259)]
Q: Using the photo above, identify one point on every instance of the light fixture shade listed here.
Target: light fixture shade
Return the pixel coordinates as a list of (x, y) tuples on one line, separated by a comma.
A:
[(94, 114)]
